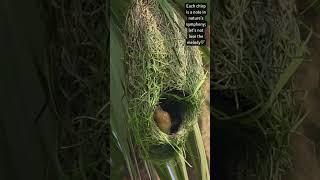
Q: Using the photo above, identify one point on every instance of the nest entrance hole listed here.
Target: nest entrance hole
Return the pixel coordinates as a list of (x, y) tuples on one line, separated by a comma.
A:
[(176, 107)]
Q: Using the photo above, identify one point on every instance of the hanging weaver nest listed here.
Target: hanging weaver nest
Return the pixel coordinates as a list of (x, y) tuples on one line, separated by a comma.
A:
[(161, 72)]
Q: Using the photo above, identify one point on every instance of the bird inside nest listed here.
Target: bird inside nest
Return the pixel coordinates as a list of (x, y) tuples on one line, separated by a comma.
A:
[(162, 119)]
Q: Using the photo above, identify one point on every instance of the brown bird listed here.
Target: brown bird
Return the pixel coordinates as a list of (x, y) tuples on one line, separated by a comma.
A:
[(162, 119)]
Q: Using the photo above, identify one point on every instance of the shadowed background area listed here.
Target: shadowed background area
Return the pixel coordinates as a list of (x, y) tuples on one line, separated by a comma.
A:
[(53, 90), (28, 138)]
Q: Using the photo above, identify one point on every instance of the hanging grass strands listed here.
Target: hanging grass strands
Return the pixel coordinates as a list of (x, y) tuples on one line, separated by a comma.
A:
[(164, 78)]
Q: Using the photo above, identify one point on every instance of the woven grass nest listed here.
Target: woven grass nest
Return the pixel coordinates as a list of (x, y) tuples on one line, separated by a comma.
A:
[(161, 71)]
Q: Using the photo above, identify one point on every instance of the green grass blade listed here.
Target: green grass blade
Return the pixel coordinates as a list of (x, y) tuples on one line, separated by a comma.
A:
[(118, 120), (197, 155)]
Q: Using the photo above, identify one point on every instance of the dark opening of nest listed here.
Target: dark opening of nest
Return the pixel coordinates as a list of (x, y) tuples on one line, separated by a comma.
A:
[(176, 108)]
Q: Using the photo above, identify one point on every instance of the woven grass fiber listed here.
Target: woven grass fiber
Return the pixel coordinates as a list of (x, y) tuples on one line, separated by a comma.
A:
[(161, 70)]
